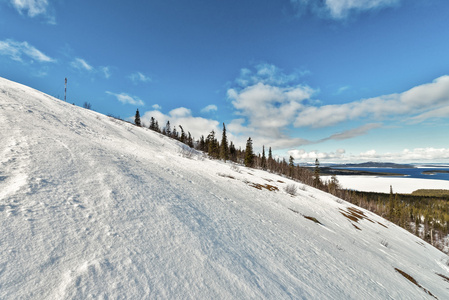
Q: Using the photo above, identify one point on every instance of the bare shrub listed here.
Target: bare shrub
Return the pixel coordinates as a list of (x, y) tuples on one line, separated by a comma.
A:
[(187, 152), (291, 189), (235, 169)]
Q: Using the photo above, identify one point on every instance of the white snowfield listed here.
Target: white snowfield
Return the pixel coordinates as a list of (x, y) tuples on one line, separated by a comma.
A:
[(95, 208), (381, 184)]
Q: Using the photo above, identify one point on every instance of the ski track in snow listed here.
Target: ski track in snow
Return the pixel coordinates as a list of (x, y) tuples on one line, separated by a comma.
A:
[(95, 208)]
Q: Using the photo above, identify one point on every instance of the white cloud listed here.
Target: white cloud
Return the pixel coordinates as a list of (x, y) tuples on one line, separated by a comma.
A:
[(349, 134), (197, 126), (17, 50), (209, 108), (269, 109), (312, 155), (81, 64), (418, 100), (139, 77), (106, 72), (126, 99), (34, 8), (341, 9), (415, 155), (156, 106)]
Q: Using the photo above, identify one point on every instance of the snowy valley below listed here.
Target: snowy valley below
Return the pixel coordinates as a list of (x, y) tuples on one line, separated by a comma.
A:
[(96, 208)]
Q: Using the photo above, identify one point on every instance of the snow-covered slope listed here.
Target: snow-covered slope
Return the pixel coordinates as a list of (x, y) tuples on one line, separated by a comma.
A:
[(95, 208)]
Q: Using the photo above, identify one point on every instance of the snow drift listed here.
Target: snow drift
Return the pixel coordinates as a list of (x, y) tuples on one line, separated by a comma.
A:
[(93, 207)]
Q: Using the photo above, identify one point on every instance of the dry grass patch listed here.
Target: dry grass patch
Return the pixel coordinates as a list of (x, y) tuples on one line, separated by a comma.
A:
[(259, 186), (313, 219), (444, 277), (226, 175), (412, 280)]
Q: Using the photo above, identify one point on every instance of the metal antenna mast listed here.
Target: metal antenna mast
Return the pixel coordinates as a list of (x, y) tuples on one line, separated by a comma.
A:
[(65, 90)]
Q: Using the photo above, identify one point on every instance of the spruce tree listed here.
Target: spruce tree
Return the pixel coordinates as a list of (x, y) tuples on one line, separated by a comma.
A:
[(224, 148), (232, 152), (167, 129), (249, 154), (291, 166), (137, 119), (264, 159), (316, 180), (212, 144)]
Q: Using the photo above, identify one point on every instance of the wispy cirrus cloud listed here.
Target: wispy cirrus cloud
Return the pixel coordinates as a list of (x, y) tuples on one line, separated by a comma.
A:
[(340, 9), (81, 64), (139, 77), (18, 51), (126, 99)]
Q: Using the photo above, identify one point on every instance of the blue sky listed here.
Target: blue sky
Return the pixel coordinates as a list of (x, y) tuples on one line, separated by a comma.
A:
[(341, 80)]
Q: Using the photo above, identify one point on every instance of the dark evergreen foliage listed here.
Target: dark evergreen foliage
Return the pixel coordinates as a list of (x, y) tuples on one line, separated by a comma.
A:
[(137, 119), (249, 154)]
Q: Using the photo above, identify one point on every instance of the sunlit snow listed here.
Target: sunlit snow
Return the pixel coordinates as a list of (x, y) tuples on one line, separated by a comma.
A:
[(96, 208)]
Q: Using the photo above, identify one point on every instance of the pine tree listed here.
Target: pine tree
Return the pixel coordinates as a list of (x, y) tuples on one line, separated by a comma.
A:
[(270, 160), (183, 137), (291, 166), (249, 154), (190, 140), (316, 180), (167, 129), (224, 148), (137, 119), (263, 162), (232, 152), (212, 145)]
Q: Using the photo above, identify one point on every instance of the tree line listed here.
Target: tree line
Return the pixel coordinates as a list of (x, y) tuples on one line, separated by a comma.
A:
[(426, 217)]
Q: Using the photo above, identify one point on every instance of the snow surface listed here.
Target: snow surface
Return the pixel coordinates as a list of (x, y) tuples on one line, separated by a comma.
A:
[(381, 184), (95, 208)]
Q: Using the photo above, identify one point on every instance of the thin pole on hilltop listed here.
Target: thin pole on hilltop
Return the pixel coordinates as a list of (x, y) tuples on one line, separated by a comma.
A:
[(65, 90)]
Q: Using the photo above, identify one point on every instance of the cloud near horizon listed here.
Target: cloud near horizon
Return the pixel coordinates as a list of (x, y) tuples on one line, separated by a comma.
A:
[(197, 126), (18, 50), (407, 155)]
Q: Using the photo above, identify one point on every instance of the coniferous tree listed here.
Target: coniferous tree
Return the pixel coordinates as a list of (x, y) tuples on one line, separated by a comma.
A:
[(183, 137), (167, 129), (263, 163), (153, 124), (202, 144), (212, 145), (316, 180), (137, 119), (190, 140), (232, 152), (291, 166), (249, 154), (224, 148), (270, 160)]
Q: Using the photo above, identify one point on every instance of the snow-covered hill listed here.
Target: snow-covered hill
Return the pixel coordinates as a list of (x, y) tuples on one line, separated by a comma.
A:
[(96, 208)]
